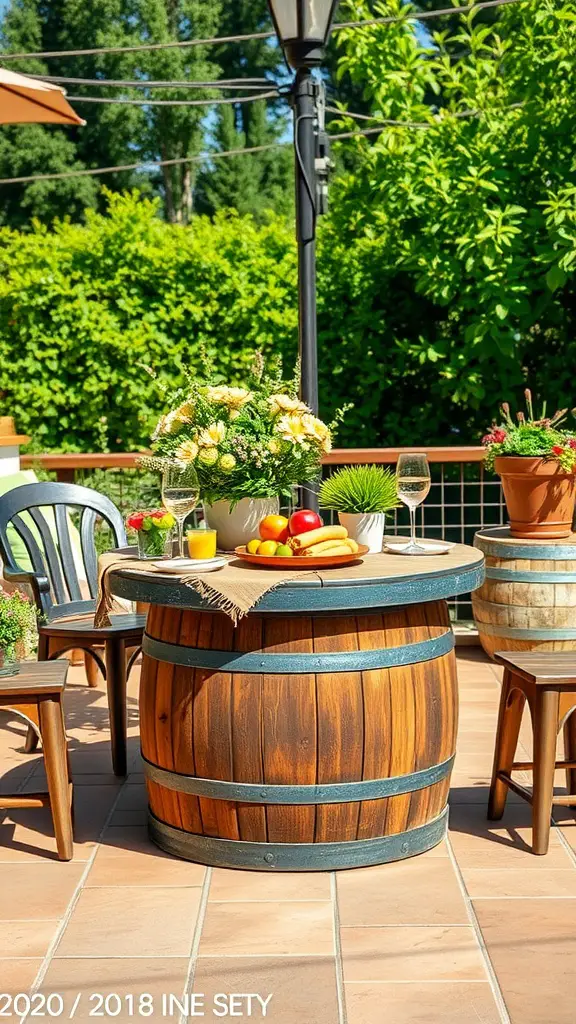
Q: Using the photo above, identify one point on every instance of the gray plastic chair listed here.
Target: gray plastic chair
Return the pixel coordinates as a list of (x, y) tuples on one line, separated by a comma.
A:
[(67, 621)]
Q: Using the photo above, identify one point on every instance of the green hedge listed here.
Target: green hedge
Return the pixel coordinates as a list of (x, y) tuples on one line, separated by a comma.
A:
[(82, 307)]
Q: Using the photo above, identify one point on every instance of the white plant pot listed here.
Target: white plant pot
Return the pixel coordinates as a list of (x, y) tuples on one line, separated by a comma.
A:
[(365, 528), (238, 525)]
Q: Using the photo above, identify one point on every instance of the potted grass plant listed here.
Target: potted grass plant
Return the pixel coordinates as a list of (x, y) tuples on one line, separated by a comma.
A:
[(536, 461), (361, 495)]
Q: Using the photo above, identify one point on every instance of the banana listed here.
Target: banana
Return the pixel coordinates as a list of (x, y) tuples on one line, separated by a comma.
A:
[(307, 540), (353, 544), (325, 546), (341, 549)]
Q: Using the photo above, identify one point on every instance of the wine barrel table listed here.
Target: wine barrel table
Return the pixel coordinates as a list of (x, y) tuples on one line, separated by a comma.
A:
[(528, 599), (319, 733)]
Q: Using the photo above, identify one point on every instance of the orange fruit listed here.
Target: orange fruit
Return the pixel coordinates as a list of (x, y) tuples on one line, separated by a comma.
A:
[(268, 547), (274, 528)]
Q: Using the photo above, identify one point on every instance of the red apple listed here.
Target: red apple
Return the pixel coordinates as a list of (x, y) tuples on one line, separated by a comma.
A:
[(302, 520)]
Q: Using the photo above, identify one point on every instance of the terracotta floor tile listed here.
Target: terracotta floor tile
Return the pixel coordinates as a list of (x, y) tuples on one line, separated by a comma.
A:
[(26, 938), (532, 945), (462, 791), (273, 928), (125, 977), (303, 990), (92, 805), (124, 818), (411, 954), (417, 891), (443, 1003), (527, 882), (476, 743), (37, 890), (257, 885), (128, 857), (122, 922), (18, 976), (479, 843)]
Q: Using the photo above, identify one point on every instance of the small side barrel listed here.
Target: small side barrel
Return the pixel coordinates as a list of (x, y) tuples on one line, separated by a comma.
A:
[(528, 599), (298, 742)]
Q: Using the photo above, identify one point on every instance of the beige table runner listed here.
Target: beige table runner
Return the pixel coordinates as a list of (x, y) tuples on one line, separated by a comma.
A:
[(237, 587)]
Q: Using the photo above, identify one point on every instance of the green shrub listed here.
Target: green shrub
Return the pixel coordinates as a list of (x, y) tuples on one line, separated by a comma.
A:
[(83, 306)]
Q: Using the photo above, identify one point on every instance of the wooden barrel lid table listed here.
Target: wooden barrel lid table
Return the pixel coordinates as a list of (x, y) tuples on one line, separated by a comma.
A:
[(317, 734)]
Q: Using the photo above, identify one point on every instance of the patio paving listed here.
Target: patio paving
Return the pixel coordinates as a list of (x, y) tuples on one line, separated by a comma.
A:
[(477, 930)]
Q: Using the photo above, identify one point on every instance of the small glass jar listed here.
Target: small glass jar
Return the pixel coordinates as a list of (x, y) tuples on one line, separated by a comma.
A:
[(155, 544), (201, 543), (154, 530)]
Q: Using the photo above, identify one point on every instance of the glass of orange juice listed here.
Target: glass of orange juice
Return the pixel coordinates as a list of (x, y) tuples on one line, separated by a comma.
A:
[(201, 543)]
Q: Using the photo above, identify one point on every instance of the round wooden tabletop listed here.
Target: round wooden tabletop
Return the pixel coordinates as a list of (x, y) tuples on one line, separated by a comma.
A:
[(379, 581)]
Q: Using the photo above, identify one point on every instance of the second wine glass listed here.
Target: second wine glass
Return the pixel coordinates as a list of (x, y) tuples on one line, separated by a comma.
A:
[(180, 494), (413, 485)]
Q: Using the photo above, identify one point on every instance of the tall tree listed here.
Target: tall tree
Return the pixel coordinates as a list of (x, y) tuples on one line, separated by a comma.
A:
[(116, 133), (261, 181)]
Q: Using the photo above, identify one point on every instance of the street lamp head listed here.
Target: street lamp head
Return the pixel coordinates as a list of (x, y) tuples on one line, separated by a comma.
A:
[(303, 27)]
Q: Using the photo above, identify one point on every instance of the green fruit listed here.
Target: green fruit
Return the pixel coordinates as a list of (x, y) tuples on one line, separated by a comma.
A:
[(284, 551)]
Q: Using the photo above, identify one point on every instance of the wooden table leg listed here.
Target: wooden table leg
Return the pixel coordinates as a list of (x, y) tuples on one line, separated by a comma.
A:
[(116, 686), (570, 751), (545, 724), (512, 703), (56, 763)]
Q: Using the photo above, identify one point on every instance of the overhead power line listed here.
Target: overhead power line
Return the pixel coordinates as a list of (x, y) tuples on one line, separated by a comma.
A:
[(217, 40), (175, 103), (371, 117), (213, 155), (140, 83)]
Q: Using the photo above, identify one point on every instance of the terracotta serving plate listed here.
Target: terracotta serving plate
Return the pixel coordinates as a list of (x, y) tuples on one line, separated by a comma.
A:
[(301, 561)]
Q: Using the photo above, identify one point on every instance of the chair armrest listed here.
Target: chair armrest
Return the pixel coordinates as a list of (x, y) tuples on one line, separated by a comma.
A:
[(39, 584)]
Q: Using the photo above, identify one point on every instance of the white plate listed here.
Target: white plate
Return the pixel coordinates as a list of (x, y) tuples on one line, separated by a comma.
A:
[(430, 547), (177, 566)]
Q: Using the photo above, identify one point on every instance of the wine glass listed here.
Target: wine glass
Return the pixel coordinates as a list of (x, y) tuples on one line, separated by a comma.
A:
[(180, 493), (413, 485)]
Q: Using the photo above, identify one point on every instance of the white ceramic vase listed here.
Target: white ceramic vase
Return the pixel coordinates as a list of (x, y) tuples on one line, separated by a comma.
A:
[(365, 528), (236, 526)]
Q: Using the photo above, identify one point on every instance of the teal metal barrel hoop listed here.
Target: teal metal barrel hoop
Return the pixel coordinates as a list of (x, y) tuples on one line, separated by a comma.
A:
[(227, 853), (527, 633), (331, 793), (311, 596), (298, 664), (490, 543), (528, 576)]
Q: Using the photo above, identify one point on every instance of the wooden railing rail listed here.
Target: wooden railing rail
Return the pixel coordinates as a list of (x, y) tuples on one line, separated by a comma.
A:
[(65, 465)]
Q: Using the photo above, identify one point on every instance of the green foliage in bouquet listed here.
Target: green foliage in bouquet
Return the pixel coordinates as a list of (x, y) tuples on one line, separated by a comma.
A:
[(17, 625), (359, 489), (536, 438), (256, 441)]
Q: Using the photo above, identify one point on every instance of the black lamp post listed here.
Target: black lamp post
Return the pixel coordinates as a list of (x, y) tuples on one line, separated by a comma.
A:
[(303, 27)]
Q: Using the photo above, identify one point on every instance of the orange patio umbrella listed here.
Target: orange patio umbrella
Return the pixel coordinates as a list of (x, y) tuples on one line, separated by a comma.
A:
[(25, 100)]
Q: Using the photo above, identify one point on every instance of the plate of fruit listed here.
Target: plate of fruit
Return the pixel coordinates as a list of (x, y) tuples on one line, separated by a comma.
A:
[(302, 541)]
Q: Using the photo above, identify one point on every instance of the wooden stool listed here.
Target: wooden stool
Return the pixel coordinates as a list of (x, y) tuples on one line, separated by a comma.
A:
[(35, 693), (547, 682)]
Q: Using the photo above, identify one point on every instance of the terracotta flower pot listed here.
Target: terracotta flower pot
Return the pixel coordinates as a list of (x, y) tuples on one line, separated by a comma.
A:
[(539, 496)]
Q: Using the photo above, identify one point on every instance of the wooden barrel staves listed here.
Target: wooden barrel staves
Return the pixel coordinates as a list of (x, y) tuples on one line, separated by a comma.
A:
[(298, 742), (528, 599)]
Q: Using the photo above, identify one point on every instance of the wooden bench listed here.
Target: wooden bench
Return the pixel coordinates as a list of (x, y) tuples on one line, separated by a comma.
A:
[(547, 682), (35, 694)]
